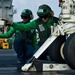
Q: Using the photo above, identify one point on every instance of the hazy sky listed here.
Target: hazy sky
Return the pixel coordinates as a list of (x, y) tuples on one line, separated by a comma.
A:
[(33, 5)]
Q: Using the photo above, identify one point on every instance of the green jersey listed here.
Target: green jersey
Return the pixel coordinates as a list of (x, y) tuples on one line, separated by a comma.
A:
[(43, 28), (28, 36)]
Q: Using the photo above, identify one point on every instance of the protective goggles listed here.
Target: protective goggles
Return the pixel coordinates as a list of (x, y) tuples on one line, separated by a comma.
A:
[(44, 16), (25, 17)]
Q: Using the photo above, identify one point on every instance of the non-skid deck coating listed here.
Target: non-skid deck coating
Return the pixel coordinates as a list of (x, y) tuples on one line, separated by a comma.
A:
[(9, 65)]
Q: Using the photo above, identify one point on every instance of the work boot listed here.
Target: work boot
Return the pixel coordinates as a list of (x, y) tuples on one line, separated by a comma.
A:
[(21, 61)]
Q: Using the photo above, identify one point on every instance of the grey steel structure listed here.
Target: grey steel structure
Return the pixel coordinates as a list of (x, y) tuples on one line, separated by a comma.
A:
[(6, 9), (6, 12)]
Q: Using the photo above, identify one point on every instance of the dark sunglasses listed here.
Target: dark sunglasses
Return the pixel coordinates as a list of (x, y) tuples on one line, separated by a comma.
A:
[(25, 17), (44, 16)]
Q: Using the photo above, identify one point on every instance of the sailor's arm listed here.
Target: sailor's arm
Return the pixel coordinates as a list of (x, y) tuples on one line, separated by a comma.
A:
[(8, 34)]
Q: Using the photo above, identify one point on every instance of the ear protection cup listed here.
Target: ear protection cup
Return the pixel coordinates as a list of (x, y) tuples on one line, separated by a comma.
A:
[(31, 17), (52, 13)]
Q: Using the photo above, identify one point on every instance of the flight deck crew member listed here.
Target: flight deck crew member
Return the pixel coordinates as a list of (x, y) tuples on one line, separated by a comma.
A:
[(43, 24)]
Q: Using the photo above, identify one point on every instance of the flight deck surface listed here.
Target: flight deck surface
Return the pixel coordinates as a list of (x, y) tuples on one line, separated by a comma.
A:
[(9, 66)]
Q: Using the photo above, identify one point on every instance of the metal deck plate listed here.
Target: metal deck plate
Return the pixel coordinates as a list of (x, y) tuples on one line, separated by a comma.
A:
[(9, 66)]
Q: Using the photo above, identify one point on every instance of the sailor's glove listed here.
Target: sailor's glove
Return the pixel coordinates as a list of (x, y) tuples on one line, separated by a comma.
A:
[(7, 22)]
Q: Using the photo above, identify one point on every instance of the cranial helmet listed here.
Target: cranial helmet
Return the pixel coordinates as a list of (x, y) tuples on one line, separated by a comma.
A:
[(27, 12), (44, 10)]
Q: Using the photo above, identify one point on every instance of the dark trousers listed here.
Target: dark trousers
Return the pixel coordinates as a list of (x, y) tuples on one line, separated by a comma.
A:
[(24, 50)]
